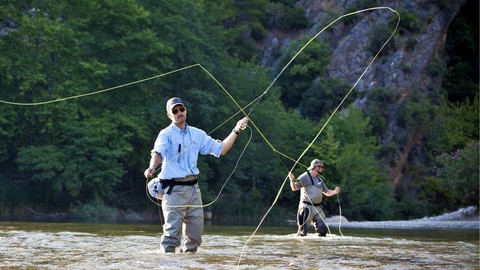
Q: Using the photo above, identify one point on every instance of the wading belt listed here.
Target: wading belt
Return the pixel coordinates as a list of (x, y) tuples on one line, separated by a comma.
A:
[(188, 180)]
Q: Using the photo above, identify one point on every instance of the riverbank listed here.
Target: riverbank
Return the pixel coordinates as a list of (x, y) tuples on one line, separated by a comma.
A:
[(465, 218)]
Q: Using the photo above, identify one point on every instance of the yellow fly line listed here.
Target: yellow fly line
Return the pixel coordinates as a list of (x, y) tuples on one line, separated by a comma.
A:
[(242, 109)]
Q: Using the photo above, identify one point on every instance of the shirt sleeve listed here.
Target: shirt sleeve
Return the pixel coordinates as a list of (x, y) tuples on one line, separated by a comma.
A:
[(324, 187), (161, 144), (304, 180), (210, 146)]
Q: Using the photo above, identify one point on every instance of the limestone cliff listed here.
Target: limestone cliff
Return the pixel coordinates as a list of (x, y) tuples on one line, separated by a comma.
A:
[(404, 67)]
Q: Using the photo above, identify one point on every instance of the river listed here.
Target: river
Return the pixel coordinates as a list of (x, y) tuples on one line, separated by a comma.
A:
[(43, 245)]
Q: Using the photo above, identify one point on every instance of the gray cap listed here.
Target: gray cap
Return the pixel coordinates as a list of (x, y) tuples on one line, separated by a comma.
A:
[(315, 162), (172, 102)]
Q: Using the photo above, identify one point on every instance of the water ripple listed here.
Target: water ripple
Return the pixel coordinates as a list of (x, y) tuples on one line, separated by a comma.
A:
[(116, 249)]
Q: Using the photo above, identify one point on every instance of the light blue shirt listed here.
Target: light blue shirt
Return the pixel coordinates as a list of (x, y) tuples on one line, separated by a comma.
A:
[(180, 149)]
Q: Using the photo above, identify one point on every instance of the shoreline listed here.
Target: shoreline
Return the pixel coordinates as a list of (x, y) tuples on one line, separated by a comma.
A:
[(461, 225), (465, 218)]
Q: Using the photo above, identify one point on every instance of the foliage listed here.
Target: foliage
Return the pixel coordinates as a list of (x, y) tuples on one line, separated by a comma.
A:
[(378, 36), (323, 97), (410, 44), (75, 149), (416, 114), (86, 165), (409, 22), (459, 175), (244, 24), (93, 210), (88, 154), (454, 126), (301, 71), (286, 16), (9, 192), (409, 205), (461, 78), (7, 126), (433, 195), (458, 84), (379, 100), (356, 6), (350, 158)]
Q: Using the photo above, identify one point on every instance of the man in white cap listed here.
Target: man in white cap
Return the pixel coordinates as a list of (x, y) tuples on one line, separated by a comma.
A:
[(177, 147), (312, 190)]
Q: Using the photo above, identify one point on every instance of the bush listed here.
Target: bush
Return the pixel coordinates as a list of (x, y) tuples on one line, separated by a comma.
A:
[(94, 210), (287, 18), (322, 98), (410, 44), (303, 70), (356, 6), (378, 36), (459, 174), (408, 22), (435, 194)]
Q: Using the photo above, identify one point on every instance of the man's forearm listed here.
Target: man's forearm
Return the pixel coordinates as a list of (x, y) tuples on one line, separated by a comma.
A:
[(228, 142), (155, 160)]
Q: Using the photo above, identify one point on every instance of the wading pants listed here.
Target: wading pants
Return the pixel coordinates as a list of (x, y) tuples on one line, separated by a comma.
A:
[(183, 213), (307, 214)]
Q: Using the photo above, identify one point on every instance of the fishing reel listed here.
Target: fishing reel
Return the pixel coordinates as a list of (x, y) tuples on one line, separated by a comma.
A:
[(155, 188)]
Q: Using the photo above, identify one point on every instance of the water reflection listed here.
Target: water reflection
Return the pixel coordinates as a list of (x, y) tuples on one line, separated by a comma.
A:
[(136, 246)]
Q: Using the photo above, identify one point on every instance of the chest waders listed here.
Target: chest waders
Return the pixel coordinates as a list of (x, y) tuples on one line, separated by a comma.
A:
[(307, 214)]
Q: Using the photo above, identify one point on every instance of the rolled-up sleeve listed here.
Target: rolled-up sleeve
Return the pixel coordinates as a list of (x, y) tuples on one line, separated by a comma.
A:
[(210, 146), (161, 144)]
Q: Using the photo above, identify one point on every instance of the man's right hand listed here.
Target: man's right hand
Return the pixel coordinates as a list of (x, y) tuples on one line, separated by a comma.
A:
[(148, 173), (291, 176)]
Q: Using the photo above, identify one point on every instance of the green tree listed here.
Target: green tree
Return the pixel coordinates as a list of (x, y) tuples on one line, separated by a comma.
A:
[(323, 97), (87, 166), (243, 25), (356, 169), (301, 72), (60, 50), (285, 16), (459, 175), (454, 126), (461, 46), (379, 101)]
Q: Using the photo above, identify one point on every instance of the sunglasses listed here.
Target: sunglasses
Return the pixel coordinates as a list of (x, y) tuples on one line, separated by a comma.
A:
[(182, 109)]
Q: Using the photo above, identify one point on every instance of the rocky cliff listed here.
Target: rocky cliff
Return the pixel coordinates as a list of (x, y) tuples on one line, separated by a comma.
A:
[(403, 67)]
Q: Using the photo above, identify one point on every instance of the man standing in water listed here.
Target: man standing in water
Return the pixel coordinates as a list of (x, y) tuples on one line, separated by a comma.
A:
[(177, 147), (312, 190)]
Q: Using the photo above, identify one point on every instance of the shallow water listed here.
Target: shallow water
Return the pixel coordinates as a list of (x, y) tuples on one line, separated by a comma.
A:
[(136, 246)]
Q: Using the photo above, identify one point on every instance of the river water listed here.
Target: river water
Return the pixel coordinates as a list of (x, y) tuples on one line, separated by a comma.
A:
[(38, 245)]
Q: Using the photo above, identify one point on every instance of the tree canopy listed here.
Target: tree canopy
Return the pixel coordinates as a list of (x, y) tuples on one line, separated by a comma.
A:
[(84, 87)]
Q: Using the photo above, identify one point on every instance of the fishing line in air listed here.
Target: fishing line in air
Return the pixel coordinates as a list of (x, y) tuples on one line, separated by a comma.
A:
[(333, 113), (242, 109), (95, 92), (141, 81)]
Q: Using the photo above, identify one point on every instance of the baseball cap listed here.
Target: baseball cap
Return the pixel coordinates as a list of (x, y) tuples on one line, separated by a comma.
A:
[(315, 162), (172, 102)]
